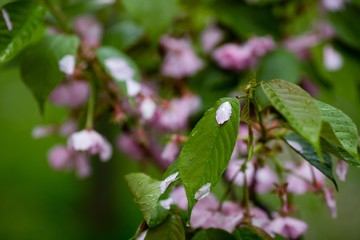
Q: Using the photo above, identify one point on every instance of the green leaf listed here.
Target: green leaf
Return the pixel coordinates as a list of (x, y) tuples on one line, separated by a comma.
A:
[(345, 24), (25, 17), (40, 64), (104, 53), (246, 234), (279, 237), (339, 152), (146, 193), (297, 107), (247, 20), (308, 152), (155, 15), (123, 35), (213, 234), (207, 152), (158, 216), (343, 129), (171, 229)]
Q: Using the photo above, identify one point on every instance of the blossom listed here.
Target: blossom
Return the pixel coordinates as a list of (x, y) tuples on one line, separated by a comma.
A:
[(223, 113), (330, 201), (72, 94), (128, 145), (287, 226), (175, 115), (234, 171), (7, 19), (91, 142), (147, 108), (210, 37), (180, 59), (341, 169), (333, 61), (63, 158), (171, 151), (333, 5), (89, 29), (67, 64), (302, 177), (265, 179)]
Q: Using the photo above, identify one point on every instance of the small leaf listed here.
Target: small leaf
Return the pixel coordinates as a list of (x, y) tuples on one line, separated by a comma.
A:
[(246, 234), (155, 15), (207, 152), (308, 152), (344, 131), (25, 17), (146, 193), (104, 54), (40, 65), (171, 229), (158, 216), (297, 107), (339, 152), (213, 234)]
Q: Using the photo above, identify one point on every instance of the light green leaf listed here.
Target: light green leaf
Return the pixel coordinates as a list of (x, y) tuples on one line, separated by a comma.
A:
[(213, 234), (171, 229), (158, 216), (344, 131), (40, 65), (123, 35), (146, 193), (104, 53), (308, 152), (207, 152), (25, 18), (155, 15), (297, 107)]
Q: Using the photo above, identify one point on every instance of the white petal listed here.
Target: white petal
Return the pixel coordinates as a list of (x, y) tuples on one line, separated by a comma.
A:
[(333, 60), (203, 191), (142, 235), (341, 169), (133, 87), (166, 203), (119, 68), (295, 145), (67, 64), (164, 184), (223, 113), (147, 108), (6, 19)]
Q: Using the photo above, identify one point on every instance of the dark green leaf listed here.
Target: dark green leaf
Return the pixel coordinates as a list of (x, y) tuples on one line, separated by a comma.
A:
[(247, 20), (308, 152), (279, 237), (25, 17), (297, 107), (155, 15), (146, 193), (213, 234), (246, 234), (342, 127), (339, 152), (123, 35), (40, 65), (207, 152), (158, 216), (171, 229)]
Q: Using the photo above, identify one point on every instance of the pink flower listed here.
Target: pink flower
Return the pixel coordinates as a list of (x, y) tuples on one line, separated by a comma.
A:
[(210, 37), (175, 116), (178, 194), (68, 128), (287, 226), (6, 19), (261, 45), (72, 94), (62, 158), (302, 177), (300, 44), (171, 151), (333, 5), (89, 29), (42, 131), (127, 144), (180, 59), (234, 170), (265, 179), (333, 61), (147, 108), (330, 201), (91, 142), (341, 169)]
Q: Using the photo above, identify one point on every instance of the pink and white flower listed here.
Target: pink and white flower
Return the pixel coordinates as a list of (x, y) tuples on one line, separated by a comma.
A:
[(72, 94), (287, 226), (91, 142), (67, 64), (210, 37), (341, 169), (89, 29), (333, 61)]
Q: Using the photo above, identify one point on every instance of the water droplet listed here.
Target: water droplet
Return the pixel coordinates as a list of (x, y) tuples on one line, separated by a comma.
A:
[(308, 101), (194, 133), (290, 89)]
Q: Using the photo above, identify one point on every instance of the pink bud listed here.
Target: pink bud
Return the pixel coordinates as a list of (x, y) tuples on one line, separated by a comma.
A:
[(333, 61)]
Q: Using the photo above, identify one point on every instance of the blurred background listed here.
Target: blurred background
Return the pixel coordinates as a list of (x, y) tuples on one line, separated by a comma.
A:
[(39, 203)]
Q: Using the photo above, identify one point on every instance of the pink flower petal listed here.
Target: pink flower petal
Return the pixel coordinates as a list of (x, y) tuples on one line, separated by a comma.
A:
[(170, 179), (203, 192), (223, 113)]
